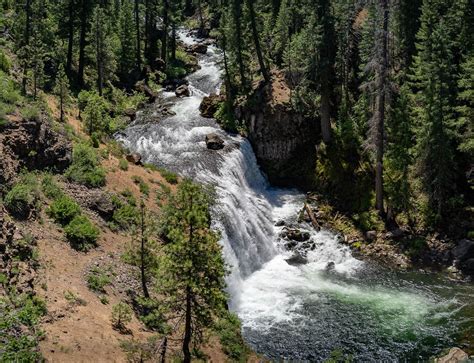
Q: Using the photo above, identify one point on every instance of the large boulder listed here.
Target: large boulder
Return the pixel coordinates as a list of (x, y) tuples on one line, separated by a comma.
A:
[(134, 158), (182, 91), (455, 355), (214, 142), (103, 204), (198, 48), (130, 113), (149, 93), (463, 251), (209, 105)]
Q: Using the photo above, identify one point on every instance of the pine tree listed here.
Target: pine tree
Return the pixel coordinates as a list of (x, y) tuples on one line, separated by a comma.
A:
[(62, 90), (193, 267), (398, 156), (464, 126), (434, 72), (127, 54)]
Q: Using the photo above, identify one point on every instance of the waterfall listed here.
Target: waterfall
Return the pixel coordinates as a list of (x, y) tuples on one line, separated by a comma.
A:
[(296, 312)]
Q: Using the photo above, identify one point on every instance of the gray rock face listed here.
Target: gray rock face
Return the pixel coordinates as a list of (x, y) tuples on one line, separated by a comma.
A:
[(214, 142)]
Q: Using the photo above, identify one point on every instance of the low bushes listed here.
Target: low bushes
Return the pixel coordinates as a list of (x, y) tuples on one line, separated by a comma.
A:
[(23, 199), (82, 233), (85, 167), (63, 210)]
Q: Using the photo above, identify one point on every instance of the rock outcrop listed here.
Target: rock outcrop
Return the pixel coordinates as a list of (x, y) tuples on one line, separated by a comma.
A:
[(280, 136), (182, 91), (32, 144), (210, 104)]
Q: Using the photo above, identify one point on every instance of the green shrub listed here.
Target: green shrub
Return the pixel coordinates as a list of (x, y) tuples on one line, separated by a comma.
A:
[(82, 233), (4, 62), (169, 176), (121, 315), (126, 216), (127, 193), (30, 112), (63, 210), (8, 90), (23, 199), (142, 185), (18, 326), (97, 279), (228, 329), (85, 167), (123, 164), (50, 188)]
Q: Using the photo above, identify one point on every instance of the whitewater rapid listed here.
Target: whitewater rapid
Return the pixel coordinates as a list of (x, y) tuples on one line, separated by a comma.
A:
[(287, 312)]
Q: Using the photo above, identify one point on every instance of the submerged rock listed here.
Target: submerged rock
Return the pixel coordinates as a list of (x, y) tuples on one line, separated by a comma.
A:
[(295, 235), (214, 141), (297, 259)]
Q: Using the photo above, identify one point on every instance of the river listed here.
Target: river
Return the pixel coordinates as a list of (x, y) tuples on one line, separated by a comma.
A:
[(305, 312)]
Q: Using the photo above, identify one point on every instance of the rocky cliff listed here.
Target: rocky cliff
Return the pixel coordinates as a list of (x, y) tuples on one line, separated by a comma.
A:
[(283, 140)]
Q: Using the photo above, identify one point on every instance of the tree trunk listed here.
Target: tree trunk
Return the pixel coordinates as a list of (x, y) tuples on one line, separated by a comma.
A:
[(99, 55), (201, 19), (325, 111), (187, 327), (61, 104), (142, 252), (261, 62), (164, 39), (70, 42), (173, 41), (27, 43), (82, 43), (228, 86), (380, 113), (137, 30), (163, 350), (238, 33)]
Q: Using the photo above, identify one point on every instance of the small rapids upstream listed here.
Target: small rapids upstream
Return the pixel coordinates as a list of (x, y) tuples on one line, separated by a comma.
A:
[(304, 312)]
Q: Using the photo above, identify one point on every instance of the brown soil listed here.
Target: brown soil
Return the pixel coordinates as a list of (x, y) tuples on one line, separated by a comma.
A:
[(78, 325)]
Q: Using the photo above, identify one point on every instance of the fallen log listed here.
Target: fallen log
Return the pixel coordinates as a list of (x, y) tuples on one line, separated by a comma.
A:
[(314, 221)]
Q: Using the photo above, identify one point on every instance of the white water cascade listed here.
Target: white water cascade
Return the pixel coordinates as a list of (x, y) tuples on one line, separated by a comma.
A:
[(296, 312)]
